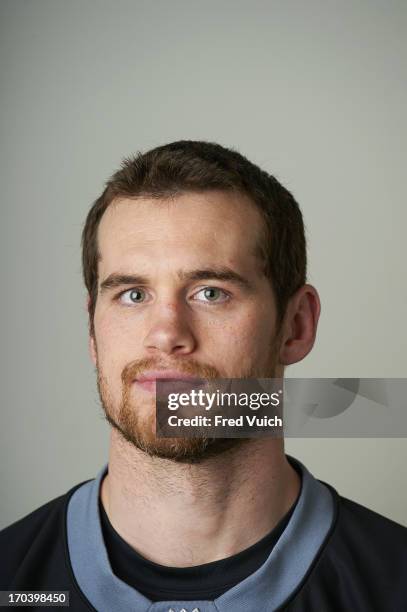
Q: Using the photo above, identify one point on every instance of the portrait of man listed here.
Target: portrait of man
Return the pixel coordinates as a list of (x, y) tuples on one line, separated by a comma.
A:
[(194, 261)]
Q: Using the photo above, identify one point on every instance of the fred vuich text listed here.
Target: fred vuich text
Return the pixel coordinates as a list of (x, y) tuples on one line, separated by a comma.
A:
[(220, 421)]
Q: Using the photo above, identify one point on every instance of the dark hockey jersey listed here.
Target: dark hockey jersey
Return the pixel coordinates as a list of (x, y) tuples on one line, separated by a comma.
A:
[(334, 555)]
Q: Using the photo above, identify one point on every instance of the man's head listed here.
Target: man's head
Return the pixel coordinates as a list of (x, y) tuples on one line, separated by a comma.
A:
[(194, 260)]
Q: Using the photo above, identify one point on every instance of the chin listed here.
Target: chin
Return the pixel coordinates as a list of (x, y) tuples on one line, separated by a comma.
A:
[(141, 435), (190, 450)]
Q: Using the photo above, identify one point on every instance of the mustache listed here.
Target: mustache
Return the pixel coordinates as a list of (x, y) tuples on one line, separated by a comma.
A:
[(201, 370)]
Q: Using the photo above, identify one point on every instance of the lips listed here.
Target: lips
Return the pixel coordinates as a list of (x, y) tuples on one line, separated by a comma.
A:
[(182, 381)]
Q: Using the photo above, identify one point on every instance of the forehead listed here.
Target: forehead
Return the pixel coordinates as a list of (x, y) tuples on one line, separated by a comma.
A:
[(188, 229)]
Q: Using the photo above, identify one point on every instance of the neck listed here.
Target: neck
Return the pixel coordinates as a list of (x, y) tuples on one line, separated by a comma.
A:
[(183, 515)]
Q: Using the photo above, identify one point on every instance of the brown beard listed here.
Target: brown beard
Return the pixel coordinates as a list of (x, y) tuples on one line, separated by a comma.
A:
[(137, 425)]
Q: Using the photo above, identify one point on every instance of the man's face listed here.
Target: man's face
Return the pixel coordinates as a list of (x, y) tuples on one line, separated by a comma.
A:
[(197, 304)]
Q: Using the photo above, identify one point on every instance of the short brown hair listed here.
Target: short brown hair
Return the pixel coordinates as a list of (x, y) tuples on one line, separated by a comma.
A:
[(198, 166)]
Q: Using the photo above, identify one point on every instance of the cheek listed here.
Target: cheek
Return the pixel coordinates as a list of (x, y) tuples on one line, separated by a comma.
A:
[(242, 342), (113, 330), (114, 348)]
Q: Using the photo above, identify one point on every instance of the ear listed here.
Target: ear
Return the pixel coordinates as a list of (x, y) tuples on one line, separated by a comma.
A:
[(300, 325), (92, 349), (91, 339)]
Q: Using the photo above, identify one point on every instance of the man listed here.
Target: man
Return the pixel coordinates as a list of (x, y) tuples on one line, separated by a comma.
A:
[(194, 261)]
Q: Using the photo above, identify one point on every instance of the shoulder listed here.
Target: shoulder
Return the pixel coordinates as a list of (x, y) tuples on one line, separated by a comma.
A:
[(362, 565), (367, 553), (361, 525), (33, 538)]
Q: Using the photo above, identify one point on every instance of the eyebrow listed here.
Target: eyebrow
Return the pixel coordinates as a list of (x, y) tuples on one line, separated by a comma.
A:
[(220, 274), (117, 279)]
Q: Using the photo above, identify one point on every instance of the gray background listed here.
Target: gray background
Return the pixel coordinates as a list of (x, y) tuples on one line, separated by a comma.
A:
[(314, 92)]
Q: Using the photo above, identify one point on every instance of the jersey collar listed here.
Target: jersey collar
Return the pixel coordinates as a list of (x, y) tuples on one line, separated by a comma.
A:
[(264, 591)]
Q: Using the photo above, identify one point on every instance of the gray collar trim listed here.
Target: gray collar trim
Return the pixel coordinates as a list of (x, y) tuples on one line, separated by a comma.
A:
[(264, 591)]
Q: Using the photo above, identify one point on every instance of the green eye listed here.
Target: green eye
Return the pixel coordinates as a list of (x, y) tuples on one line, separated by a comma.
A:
[(133, 296), (211, 294), (136, 295)]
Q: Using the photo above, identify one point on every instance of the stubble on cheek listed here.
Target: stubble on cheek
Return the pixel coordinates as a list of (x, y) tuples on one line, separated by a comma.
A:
[(128, 414)]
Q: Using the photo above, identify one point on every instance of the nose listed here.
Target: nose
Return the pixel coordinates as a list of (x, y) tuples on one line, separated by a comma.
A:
[(169, 331)]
